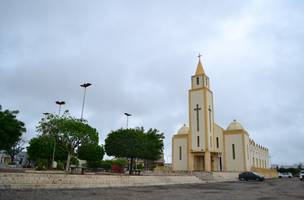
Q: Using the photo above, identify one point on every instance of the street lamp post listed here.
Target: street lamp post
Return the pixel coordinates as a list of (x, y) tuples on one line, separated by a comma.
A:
[(128, 115), (60, 103), (85, 85)]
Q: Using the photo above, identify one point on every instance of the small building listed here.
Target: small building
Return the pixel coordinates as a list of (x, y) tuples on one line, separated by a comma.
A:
[(5, 159)]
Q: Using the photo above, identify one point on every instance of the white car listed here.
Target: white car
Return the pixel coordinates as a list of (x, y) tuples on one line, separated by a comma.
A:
[(285, 175), (302, 175)]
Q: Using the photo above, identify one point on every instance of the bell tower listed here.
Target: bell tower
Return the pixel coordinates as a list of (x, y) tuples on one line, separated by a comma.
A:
[(201, 119)]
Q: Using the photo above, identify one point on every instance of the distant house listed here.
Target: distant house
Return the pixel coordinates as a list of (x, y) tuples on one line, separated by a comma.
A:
[(4, 158), (21, 159)]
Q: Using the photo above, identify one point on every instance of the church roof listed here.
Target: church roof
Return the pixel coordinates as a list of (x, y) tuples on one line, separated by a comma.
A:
[(183, 130), (199, 68), (235, 125)]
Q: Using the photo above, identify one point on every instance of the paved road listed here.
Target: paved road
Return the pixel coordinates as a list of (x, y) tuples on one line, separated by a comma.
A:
[(287, 189)]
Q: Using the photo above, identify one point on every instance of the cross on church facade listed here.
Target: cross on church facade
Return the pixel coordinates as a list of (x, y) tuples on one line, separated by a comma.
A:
[(209, 109), (197, 109)]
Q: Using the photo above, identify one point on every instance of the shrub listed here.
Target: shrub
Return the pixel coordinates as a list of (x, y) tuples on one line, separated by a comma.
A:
[(94, 164), (41, 164), (117, 169), (74, 161), (120, 162), (294, 171), (140, 166), (90, 152), (106, 164), (60, 165)]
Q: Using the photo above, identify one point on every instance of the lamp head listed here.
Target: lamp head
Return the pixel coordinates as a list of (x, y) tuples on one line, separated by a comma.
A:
[(128, 114), (60, 102), (85, 85)]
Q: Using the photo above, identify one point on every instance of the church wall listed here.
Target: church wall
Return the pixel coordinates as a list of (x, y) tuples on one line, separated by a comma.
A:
[(180, 163), (236, 163), (246, 152), (218, 133), (197, 97), (259, 156)]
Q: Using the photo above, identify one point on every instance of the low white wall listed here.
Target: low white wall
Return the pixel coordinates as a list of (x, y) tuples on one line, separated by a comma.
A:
[(29, 180), (225, 176)]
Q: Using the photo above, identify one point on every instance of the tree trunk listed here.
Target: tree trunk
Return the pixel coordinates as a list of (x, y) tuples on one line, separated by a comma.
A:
[(131, 167), (67, 167), (12, 158), (146, 165)]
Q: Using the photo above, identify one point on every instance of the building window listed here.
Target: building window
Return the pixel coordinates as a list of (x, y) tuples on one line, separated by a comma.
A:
[(197, 80), (217, 142), (198, 141), (233, 151), (180, 153)]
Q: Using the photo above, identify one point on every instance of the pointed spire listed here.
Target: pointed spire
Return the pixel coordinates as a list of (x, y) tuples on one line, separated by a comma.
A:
[(199, 68)]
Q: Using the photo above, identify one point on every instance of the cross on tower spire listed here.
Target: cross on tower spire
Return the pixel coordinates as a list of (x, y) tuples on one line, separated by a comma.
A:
[(199, 56), (199, 69)]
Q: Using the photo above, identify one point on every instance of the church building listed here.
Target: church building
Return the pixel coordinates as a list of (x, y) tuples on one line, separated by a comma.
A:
[(205, 146)]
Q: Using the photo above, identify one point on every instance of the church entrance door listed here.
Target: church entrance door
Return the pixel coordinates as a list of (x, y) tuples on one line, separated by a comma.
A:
[(216, 162), (199, 163)]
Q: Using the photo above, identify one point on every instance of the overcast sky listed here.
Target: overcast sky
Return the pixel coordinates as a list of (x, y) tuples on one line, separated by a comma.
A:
[(140, 55)]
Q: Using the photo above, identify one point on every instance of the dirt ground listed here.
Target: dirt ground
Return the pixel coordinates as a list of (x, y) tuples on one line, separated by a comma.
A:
[(287, 189)]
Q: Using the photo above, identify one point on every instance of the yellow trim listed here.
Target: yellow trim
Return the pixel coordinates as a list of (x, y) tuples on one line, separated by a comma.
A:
[(244, 152), (197, 152), (206, 122), (202, 88), (232, 132), (224, 150), (212, 122), (173, 168), (190, 134), (180, 135)]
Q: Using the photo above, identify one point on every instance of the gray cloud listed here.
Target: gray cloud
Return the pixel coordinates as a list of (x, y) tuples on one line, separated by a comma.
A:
[(140, 56)]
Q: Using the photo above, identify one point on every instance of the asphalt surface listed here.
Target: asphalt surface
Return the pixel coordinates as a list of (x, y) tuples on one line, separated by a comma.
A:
[(286, 189)]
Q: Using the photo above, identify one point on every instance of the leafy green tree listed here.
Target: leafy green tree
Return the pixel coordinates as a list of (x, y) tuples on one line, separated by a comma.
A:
[(70, 131), (11, 129), (15, 149), (41, 148), (91, 152), (127, 143), (294, 171), (153, 146)]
